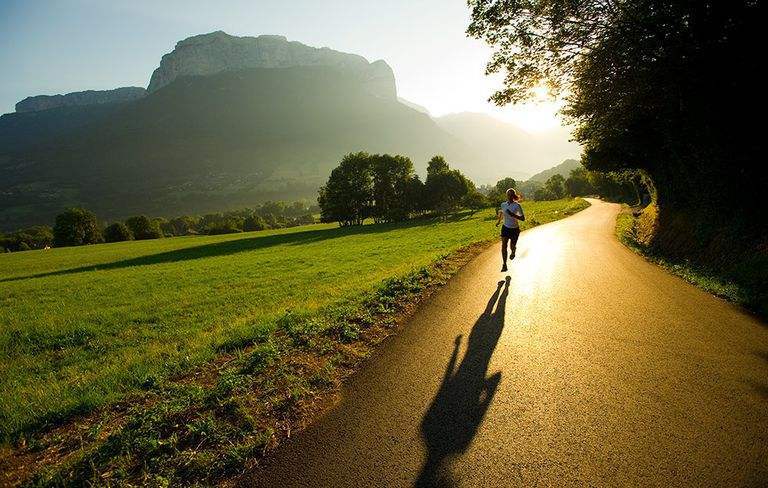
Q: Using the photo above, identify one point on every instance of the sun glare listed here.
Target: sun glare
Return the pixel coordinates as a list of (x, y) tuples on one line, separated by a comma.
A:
[(532, 117), (539, 115)]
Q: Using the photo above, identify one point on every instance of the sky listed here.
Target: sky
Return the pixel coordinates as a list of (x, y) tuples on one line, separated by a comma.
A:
[(50, 47)]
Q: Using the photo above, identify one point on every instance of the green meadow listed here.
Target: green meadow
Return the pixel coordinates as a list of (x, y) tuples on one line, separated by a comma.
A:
[(84, 326)]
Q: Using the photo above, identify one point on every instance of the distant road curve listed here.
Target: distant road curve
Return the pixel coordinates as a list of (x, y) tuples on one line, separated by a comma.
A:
[(587, 367)]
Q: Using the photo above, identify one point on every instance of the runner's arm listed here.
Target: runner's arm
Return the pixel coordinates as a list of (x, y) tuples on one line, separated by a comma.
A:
[(518, 217)]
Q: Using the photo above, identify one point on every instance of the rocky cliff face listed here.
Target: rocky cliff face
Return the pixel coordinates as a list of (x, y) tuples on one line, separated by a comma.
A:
[(212, 53), (90, 97)]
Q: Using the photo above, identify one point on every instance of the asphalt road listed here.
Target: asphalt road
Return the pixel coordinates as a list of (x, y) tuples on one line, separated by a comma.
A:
[(586, 366)]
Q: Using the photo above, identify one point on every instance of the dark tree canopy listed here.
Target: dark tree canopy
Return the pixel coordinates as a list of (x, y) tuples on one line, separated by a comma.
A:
[(35, 237), (505, 184), (445, 187), (386, 188), (347, 196), (664, 86), (117, 232), (142, 227), (391, 177), (76, 227)]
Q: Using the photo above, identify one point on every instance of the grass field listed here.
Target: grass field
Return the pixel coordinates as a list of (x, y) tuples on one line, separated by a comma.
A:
[(81, 327)]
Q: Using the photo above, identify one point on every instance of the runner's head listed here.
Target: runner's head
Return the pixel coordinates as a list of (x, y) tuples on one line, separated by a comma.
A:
[(512, 195)]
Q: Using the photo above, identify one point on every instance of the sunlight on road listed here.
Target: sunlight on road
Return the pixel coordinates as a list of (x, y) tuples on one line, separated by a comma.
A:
[(533, 270)]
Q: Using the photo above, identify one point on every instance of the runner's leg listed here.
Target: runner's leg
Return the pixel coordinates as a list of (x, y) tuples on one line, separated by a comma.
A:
[(513, 242), (504, 240)]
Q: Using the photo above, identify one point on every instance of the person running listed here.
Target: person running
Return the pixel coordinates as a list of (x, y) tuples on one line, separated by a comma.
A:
[(511, 212)]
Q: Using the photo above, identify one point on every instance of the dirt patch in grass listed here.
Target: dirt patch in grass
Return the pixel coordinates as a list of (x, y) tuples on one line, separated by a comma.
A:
[(211, 424)]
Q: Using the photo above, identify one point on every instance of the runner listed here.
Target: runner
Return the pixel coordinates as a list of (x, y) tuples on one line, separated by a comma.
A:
[(511, 212)]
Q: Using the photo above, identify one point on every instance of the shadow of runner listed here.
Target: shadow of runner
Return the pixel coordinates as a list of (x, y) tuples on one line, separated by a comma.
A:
[(458, 409)]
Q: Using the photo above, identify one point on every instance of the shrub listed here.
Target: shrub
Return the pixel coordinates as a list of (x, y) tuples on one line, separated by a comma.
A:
[(182, 226), (76, 227), (226, 225), (36, 237), (143, 228), (117, 232), (254, 222)]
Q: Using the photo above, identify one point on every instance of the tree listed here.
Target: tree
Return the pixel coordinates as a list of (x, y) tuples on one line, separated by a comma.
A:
[(555, 186), (577, 184), (498, 192), (505, 184), (182, 226), (142, 227), (35, 237), (227, 224), (651, 85), (117, 232), (475, 200), (347, 197), (529, 187), (254, 222), (445, 187), (437, 165), (415, 196), (76, 227), (541, 194), (391, 176), (618, 187)]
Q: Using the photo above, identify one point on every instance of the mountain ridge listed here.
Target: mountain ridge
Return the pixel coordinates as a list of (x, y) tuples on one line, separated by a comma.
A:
[(225, 136), (208, 143), (38, 103), (215, 52)]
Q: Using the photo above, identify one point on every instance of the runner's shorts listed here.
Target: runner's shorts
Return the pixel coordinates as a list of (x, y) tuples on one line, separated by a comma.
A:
[(510, 232)]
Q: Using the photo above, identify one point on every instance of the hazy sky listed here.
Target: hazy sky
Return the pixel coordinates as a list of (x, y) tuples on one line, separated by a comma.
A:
[(49, 47)]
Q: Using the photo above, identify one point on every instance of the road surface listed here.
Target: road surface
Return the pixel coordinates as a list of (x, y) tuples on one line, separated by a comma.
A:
[(586, 366)]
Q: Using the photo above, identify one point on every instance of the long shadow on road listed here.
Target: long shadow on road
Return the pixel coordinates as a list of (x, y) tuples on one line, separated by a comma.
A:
[(464, 396)]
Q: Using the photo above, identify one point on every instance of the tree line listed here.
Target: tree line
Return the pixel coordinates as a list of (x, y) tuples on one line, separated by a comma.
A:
[(624, 187), (381, 187), (78, 226), (386, 188)]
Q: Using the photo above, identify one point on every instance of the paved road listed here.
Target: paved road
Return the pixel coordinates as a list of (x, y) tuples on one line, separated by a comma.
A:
[(586, 366)]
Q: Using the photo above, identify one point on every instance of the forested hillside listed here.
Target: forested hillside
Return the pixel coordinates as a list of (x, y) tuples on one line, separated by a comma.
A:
[(214, 142)]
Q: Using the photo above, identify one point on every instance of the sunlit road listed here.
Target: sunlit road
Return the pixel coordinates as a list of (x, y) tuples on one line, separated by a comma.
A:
[(591, 367)]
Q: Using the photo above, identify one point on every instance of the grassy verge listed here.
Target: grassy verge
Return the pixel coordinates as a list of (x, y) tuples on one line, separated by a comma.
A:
[(239, 345), (736, 284)]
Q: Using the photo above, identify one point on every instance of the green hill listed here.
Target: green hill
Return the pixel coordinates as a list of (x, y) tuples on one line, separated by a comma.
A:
[(564, 169), (204, 143)]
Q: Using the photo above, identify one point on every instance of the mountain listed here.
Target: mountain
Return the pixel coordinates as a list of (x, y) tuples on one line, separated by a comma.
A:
[(564, 169), (502, 146), (228, 122), (415, 106), (89, 97), (204, 142), (218, 52)]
